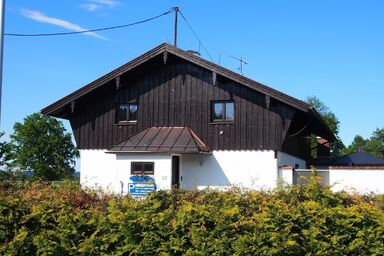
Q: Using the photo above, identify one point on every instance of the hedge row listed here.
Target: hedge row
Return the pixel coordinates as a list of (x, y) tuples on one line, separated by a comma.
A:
[(43, 219)]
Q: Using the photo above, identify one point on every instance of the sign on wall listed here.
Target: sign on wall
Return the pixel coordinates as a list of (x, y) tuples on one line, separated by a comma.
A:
[(141, 189)]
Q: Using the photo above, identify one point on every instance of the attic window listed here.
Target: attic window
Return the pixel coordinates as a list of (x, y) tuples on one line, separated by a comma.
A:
[(223, 111), (126, 113)]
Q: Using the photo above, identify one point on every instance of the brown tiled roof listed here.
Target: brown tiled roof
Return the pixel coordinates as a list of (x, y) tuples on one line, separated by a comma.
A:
[(164, 140)]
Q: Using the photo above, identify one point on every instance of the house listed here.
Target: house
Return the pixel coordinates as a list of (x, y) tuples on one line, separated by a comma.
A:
[(170, 118)]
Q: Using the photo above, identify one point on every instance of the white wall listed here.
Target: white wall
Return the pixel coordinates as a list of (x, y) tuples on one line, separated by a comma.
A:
[(111, 172), (285, 159), (98, 169), (286, 176), (249, 169), (162, 168), (353, 180)]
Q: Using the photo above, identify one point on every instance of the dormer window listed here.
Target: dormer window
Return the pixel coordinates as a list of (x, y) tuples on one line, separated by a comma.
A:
[(223, 111), (126, 113)]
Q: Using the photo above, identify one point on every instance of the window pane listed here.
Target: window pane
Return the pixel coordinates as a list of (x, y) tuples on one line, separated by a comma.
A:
[(121, 112), (218, 111), (133, 112), (229, 111), (136, 168), (148, 168)]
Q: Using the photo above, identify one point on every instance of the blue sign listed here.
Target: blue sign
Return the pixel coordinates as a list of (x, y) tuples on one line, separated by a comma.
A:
[(141, 178), (141, 188)]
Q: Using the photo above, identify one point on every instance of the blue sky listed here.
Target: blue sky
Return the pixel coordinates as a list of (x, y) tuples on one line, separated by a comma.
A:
[(330, 49)]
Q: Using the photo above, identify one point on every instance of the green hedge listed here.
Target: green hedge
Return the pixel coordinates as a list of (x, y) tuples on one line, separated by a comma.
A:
[(42, 219)]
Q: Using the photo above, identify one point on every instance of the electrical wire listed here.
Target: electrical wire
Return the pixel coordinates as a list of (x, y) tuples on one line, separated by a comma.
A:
[(198, 39), (90, 30), (173, 9)]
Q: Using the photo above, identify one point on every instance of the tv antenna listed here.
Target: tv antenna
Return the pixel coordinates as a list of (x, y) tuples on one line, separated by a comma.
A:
[(241, 61)]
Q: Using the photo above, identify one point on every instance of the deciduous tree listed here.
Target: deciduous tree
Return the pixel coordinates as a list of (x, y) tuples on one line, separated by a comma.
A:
[(330, 119), (374, 145), (42, 145), (5, 152)]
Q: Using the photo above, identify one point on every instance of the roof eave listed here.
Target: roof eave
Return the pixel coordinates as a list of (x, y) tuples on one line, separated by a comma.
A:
[(318, 117), (54, 107), (158, 152)]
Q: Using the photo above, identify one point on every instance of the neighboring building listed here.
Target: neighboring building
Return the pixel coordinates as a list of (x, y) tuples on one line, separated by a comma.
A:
[(183, 121), (358, 172)]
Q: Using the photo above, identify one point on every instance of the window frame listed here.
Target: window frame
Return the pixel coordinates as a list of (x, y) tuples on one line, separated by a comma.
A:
[(224, 108), (126, 121), (142, 172)]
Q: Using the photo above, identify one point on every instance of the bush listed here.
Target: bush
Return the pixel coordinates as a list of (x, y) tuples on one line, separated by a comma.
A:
[(43, 219)]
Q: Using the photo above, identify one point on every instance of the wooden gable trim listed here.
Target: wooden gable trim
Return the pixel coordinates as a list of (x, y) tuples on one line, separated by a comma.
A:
[(118, 85), (165, 57), (72, 107), (214, 78)]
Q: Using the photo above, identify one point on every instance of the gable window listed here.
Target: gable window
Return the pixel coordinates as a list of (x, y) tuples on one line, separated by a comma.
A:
[(126, 113), (142, 168), (223, 111)]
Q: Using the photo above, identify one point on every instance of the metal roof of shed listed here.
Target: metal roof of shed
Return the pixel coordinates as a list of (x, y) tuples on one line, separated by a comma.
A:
[(180, 140)]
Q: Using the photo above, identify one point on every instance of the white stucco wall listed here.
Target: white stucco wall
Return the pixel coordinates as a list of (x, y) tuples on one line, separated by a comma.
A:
[(354, 180), (111, 172), (98, 169), (162, 168), (248, 169), (286, 176), (285, 159)]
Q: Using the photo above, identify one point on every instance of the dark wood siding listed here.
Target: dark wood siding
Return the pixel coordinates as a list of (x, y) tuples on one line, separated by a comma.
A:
[(179, 94)]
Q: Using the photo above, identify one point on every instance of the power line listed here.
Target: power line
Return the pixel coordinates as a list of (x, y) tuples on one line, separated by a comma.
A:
[(173, 9), (198, 39), (90, 30)]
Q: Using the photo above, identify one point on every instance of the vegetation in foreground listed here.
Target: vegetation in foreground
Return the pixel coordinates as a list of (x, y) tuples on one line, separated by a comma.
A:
[(45, 219)]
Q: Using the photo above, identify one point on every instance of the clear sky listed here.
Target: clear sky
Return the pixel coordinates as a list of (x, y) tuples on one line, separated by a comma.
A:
[(331, 49)]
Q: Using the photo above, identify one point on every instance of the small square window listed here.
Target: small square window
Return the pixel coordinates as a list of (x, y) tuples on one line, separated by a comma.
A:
[(223, 111), (126, 113), (142, 168)]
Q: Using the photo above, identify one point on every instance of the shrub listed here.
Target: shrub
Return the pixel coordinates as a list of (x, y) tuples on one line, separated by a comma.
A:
[(45, 219)]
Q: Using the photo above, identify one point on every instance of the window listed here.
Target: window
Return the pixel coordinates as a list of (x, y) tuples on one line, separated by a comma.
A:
[(223, 111), (126, 113), (142, 168)]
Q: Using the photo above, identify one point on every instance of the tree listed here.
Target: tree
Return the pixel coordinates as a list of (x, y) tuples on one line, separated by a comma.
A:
[(5, 152), (330, 119), (42, 145), (374, 145)]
